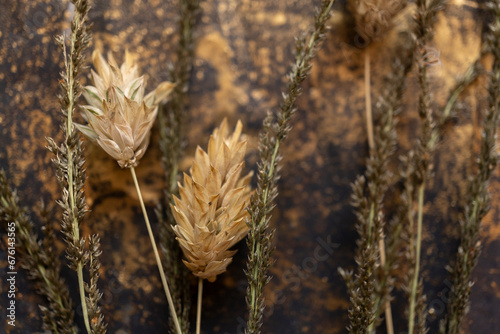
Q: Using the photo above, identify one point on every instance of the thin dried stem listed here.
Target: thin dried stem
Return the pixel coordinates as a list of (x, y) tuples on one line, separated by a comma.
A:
[(155, 250), (414, 284), (368, 102), (371, 145), (198, 307)]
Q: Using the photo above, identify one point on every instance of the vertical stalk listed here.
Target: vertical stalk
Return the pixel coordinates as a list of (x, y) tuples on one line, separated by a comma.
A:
[(368, 101), (371, 145), (69, 131), (198, 308), (414, 284), (157, 255)]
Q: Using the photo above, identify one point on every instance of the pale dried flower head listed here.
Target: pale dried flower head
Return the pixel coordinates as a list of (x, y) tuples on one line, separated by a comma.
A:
[(374, 17), (119, 116), (211, 212)]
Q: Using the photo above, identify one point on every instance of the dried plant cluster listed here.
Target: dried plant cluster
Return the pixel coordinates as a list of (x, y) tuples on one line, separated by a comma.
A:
[(171, 124), (214, 207), (418, 163), (211, 211), (275, 130), (478, 199), (69, 160), (39, 259), (374, 17), (120, 117), (370, 286)]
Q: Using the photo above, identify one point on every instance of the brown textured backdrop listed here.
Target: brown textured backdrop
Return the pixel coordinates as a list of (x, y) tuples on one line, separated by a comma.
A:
[(243, 52)]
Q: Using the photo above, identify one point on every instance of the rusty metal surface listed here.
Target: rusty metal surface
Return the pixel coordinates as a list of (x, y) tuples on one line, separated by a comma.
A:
[(243, 52)]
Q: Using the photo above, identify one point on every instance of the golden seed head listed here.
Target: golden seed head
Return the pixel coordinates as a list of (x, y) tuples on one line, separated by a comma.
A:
[(119, 116), (374, 17), (211, 211)]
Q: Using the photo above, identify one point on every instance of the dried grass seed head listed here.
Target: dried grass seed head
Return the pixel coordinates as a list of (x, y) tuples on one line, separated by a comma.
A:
[(211, 211), (374, 17), (119, 116)]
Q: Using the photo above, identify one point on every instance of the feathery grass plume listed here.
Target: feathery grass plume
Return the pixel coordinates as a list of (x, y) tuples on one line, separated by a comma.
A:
[(40, 261), (171, 124), (97, 323), (211, 211), (274, 132), (478, 199), (418, 161), (69, 156), (370, 287), (374, 17)]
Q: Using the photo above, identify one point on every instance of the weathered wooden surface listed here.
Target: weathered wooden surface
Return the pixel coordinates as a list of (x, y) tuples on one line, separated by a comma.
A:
[(244, 49)]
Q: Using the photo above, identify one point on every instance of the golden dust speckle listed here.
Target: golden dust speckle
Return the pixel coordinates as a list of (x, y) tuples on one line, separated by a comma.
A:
[(13, 68), (279, 19), (160, 12)]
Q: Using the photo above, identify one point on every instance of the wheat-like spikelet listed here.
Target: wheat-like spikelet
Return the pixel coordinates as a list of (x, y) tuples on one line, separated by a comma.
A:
[(120, 117), (211, 212)]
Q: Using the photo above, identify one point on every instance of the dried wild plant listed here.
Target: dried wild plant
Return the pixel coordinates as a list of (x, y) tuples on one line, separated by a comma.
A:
[(211, 211), (40, 260), (478, 199), (374, 17), (120, 119), (371, 285), (418, 162), (274, 132), (69, 161), (171, 119)]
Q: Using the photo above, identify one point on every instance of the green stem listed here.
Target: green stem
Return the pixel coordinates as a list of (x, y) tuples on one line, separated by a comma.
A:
[(266, 191), (414, 285), (370, 222), (69, 130), (198, 308), (470, 75), (82, 297), (157, 255)]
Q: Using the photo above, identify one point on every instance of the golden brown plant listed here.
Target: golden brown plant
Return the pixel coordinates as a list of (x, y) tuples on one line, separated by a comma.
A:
[(374, 17), (211, 212), (120, 117)]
